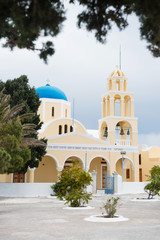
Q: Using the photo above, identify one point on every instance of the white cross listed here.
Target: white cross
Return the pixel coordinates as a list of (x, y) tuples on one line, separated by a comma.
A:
[(47, 81)]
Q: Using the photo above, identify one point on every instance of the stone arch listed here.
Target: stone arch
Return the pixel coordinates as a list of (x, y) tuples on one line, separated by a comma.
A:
[(103, 129), (72, 158), (47, 170), (128, 168), (101, 165)]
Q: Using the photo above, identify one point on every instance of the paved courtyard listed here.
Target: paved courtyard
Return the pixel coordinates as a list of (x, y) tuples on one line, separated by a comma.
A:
[(45, 218)]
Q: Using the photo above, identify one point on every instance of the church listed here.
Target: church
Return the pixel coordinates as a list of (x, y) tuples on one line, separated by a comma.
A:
[(114, 150)]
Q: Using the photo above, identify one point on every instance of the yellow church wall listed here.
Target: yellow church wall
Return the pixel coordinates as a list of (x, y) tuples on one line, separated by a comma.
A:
[(76, 138), (47, 171), (149, 159), (5, 178), (53, 128)]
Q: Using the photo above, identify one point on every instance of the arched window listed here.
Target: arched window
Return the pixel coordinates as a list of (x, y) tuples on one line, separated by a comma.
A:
[(52, 111), (71, 129), (60, 129), (117, 107), (65, 128)]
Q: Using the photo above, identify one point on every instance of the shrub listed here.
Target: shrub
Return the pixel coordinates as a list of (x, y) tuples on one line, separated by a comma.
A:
[(111, 206), (153, 188), (72, 186)]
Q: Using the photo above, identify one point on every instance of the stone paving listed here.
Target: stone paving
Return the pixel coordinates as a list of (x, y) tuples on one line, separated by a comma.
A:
[(46, 218)]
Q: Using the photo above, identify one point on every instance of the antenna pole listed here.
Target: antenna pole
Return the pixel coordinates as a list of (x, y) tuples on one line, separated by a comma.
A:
[(120, 57)]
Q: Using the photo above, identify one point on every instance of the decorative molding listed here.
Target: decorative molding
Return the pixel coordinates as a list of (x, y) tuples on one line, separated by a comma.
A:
[(89, 148), (118, 117)]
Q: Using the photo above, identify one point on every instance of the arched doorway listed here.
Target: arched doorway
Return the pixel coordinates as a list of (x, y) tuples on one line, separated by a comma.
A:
[(69, 162), (46, 171), (100, 165), (128, 168)]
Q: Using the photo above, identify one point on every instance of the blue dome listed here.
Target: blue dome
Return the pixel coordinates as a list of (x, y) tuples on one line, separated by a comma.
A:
[(51, 92)]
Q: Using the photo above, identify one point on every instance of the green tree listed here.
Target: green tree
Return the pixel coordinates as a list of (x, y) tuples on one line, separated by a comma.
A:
[(13, 153), (153, 188), (22, 23), (23, 95), (72, 186)]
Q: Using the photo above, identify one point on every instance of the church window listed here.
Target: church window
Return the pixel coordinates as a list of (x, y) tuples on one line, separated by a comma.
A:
[(65, 128), (60, 129), (71, 129), (140, 160), (127, 173), (52, 111)]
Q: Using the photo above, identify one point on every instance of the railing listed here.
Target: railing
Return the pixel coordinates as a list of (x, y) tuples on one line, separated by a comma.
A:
[(123, 142)]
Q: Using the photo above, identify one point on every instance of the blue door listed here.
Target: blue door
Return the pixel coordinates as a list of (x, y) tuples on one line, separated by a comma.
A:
[(109, 184)]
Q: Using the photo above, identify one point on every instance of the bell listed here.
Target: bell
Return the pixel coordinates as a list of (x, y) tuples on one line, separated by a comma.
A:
[(122, 131), (106, 132), (128, 132), (118, 125)]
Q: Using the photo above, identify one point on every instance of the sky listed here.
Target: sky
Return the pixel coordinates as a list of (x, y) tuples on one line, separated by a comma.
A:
[(81, 65)]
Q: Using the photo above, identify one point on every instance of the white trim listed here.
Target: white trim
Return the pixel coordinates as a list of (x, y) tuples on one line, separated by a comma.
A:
[(70, 156), (25, 177), (123, 92), (55, 101), (99, 156), (126, 158), (90, 148), (50, 155), (11, 177)]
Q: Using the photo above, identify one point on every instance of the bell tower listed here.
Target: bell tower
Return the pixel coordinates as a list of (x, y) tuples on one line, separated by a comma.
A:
[(117, 125)]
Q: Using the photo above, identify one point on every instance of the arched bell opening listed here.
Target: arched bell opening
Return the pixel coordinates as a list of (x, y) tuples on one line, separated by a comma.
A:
[(104, 131), (117, 85), (68, 163), (123, 133), (101, 166), (46, 171), (128, 169), (117, 99)]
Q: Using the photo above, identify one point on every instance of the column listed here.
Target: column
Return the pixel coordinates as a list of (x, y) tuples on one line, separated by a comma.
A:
[(106, 106), (115, 176), (121, 85), (132, 108), (59, 169), (102, 109), (94, 182), (31, 175)]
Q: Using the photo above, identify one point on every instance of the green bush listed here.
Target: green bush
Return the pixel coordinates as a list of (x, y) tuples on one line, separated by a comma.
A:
[(111, 206), (72, 186), (153, 188)]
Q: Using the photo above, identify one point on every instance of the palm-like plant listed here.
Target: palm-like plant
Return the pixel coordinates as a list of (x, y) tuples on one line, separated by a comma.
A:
[(16, 135)]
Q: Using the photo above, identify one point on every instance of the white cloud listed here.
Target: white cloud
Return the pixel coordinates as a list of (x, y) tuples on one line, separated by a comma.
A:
[(150, 139)]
